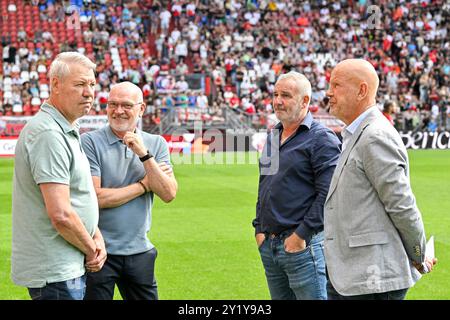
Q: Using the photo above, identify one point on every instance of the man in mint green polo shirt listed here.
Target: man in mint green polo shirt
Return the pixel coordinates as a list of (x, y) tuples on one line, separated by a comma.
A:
[(55, 237)]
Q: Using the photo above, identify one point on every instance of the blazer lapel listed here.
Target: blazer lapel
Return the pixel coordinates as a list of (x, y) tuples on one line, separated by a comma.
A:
[(344, 156)]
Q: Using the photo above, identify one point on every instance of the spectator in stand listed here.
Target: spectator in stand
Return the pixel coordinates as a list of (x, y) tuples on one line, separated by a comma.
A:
[(102, 98), (181, 100), (405, 53), (7, 109), (389, 110), (202, 102), (181, 50), (181, 85), (176, 13), (181, 69), (192, 99), (164, 17), (168, 102), (190, 11)]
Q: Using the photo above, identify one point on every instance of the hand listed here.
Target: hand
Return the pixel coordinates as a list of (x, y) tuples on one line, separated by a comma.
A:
[(134, 142), (294, 243), (95, 263), (429, 262), (167, 169), (260, 237)]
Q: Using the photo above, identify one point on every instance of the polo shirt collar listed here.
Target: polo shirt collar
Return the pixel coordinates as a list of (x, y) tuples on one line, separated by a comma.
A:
[(112, 138), (60, 119)]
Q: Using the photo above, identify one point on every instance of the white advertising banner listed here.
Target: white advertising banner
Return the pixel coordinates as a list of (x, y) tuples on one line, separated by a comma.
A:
[(11, 126), (7, 147), (88, 123)]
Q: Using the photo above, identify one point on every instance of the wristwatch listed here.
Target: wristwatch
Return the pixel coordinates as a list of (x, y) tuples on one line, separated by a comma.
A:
[(146, 157)]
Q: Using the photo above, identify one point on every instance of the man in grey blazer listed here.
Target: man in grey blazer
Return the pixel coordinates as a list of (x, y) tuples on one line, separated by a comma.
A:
[(374, 234)]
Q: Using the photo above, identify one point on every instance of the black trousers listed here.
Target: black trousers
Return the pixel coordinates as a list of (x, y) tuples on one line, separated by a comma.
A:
[(133, 274)]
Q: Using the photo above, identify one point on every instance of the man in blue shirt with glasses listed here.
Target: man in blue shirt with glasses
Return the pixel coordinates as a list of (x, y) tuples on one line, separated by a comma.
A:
[(128, 167)]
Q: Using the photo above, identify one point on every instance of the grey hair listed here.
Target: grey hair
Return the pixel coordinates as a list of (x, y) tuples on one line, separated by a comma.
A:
[(303, 84), (59, 67)]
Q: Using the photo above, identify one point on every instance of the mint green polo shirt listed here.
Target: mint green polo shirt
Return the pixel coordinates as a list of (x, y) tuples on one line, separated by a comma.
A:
[(48, 151)]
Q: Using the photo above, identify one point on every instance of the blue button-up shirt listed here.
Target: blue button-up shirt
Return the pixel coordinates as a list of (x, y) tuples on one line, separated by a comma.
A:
[(294, 179)]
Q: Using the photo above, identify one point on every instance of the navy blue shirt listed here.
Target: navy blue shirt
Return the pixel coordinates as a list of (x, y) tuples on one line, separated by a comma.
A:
[(294, 179)]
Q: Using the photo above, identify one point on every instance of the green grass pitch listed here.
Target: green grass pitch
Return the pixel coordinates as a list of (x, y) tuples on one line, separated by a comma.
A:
[(206, 248)]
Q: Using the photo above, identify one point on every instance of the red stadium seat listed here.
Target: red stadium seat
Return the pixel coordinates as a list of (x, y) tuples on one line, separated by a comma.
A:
[(35, 109), (133, 63)]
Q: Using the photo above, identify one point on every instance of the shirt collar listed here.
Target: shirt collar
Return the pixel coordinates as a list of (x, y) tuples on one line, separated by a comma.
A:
[(307, 122), (60, 119), (351, 128), (112, 138)]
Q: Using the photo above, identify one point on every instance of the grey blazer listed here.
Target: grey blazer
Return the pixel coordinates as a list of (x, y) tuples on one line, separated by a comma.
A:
[(373, 228)]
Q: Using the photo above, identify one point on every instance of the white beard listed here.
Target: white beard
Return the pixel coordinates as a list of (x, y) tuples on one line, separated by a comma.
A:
[(123, 127)]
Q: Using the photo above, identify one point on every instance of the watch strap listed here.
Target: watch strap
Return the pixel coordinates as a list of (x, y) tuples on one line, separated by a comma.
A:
[(146, 157)]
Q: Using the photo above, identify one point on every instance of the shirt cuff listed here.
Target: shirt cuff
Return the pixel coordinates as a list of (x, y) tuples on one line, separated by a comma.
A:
[(257, 227), (305, 233)]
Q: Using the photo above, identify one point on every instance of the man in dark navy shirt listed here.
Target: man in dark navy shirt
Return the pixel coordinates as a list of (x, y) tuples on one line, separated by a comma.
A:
[(296, 167)]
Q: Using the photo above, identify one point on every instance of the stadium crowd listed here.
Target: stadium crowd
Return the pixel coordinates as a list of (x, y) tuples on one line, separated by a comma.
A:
[(238, 47)]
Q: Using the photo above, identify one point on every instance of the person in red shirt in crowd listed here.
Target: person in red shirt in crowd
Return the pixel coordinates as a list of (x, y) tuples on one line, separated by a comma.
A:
[(235, 102), (389, 109)]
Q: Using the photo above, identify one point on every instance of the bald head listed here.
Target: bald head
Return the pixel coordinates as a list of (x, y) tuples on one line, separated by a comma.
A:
[(358, 71), (130, 88), (353, 89)]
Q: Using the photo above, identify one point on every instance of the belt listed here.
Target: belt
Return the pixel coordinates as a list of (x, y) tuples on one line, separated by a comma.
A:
[(285, 234), (281, 235)]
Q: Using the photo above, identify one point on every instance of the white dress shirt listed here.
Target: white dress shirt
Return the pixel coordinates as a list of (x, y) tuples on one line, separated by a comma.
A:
[(348, 131)]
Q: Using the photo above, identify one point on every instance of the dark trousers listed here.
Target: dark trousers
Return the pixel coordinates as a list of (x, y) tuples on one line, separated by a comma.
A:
[(389, 295), (133, 274)]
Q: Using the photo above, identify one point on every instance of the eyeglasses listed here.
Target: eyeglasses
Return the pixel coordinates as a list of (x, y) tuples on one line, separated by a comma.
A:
[(126, 106)]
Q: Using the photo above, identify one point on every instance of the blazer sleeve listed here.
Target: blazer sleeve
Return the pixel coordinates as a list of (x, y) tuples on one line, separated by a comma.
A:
[(385, 162)]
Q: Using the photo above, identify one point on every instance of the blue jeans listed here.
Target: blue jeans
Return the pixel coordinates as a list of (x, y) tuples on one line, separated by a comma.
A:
[(72, 289), (300, 275)]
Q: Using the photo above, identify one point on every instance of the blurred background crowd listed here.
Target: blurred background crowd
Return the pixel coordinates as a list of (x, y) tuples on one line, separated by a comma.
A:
[(206, 58)]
